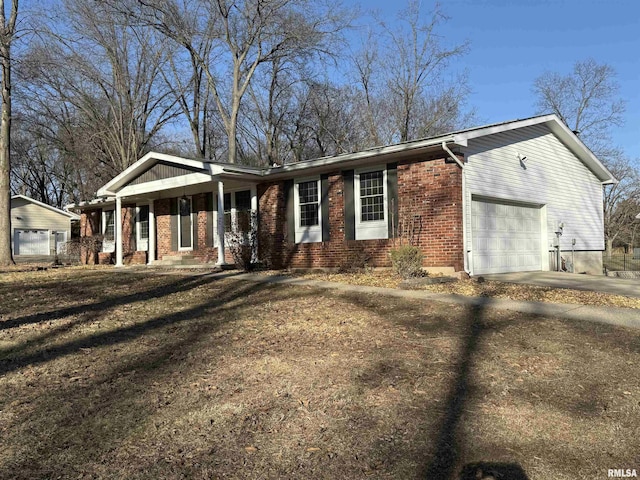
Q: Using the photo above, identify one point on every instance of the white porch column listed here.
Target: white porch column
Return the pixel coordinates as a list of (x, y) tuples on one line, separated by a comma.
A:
[(151, 246), (118, 232), (220, 223), (254, 222)]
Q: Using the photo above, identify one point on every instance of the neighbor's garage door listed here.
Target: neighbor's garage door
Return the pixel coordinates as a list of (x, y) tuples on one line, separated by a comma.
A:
[(31, 242), (506, 237)]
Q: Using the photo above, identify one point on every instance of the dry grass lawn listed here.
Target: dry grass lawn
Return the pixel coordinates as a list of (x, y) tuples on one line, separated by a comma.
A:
[(109, 374)]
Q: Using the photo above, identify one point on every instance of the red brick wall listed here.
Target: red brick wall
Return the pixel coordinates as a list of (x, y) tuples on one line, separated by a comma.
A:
[(163, 226), (90, 225), (429, 196), (430, 211)]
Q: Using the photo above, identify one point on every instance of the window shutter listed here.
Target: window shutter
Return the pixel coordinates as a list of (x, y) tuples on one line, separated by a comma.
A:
[(173, 210), (392, 199), (208, 238), (324, 206), (132, 228), (349, 206), (194, 223), (289, 192)]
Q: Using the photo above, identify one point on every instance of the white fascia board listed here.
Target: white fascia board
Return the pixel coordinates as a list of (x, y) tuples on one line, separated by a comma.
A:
[(573, 142), (165, 184), (462, 138), (49, 207), (137, 168), (364, 155), (558, 128)]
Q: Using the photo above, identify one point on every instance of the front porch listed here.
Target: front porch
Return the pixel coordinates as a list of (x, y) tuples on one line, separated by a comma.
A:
[(159, 210)]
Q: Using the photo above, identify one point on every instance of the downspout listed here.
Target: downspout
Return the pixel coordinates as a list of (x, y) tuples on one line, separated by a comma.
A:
[(464, 206)]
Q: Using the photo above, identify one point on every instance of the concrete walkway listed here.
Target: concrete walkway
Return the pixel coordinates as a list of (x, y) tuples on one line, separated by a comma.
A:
[(593, 283), (627, 317)]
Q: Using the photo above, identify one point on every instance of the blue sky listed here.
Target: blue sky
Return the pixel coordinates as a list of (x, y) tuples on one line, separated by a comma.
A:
[(514, 41)]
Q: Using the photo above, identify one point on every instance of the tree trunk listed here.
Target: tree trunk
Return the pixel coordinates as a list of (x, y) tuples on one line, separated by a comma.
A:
[(6, 257)]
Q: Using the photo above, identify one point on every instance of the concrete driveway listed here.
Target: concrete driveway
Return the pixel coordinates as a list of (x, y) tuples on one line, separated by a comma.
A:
[(594, 283)]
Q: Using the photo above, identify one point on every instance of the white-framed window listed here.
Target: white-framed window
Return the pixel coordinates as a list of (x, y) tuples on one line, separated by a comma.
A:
[(142, 227), (185, 224), (308, 210), (237, 213), (109, 231), (371, 204)]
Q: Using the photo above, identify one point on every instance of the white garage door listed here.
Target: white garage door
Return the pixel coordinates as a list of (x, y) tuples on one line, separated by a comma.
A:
[(31, 242), (506, 237)]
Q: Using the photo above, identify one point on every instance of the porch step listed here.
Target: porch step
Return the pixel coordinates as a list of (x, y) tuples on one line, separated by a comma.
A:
[(173, 260)]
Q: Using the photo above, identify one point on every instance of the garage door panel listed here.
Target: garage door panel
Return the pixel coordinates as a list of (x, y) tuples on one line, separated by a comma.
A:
[(506, 237), (31, 242)]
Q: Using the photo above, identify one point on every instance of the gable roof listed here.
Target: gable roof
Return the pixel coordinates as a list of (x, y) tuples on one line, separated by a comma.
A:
[(363, 157), (71, 215), (557, 127)]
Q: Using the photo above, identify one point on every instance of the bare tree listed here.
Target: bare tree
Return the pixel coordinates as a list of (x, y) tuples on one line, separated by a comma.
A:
[(410, 78), (94, 88), (621, 202), (586, 100), (244, 34), (7, 36)]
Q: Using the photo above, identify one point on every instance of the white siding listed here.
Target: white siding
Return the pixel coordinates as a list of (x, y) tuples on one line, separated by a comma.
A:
[(553, 177), (26, 215)]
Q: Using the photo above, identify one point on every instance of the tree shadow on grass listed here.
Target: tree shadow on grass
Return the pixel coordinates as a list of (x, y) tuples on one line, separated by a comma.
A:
[(115, 406), (17, 360), (181, 285), (442, 439)]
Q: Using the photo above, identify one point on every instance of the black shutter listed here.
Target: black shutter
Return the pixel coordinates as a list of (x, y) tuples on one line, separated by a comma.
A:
[(173, 210), (392, 198), (208, 237), (132, 224), (349, 206), (289, 192), (324, 206), (194, 223)]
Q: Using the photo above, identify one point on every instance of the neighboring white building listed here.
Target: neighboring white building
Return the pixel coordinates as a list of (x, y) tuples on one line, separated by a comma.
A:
[(38, 228)]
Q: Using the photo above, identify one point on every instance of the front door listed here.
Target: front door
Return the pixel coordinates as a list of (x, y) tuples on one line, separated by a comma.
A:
[(185, 225)]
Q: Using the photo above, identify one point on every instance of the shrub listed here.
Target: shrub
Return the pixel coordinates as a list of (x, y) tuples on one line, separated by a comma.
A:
[(357, 261), (407, 261)]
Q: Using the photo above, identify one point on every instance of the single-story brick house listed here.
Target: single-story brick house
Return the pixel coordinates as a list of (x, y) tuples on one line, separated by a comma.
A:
[(38, 229), (484, 200)]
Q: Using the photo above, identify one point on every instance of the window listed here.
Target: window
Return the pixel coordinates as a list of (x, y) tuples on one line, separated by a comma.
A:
[(372, 196), (308, 211), (227, 213), (308, 200), (237, 213), (142, 228), (185, 225), (108, 230), (371, 203), (243, 210), (143, 222), (109, 225)]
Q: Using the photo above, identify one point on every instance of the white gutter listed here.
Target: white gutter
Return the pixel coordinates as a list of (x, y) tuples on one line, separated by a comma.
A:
[(464, 207)]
